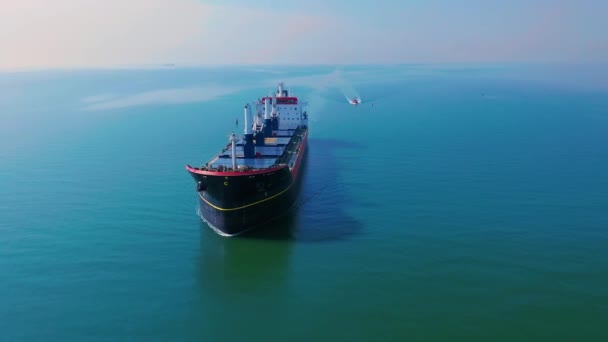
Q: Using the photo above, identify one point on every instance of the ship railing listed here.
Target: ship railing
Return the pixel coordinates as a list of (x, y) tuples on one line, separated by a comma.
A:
[(240, 168)]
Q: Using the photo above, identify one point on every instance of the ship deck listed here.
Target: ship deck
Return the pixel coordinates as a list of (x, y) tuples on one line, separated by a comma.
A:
[(266, 156)]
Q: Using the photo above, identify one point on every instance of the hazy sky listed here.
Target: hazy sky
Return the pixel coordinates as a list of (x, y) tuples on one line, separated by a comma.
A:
[(106, 33)]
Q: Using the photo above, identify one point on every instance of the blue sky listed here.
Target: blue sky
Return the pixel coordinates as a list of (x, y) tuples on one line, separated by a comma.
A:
[(94, 33)]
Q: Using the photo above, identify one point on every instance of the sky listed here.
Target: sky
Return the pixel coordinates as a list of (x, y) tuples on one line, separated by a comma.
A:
[(37, 34)]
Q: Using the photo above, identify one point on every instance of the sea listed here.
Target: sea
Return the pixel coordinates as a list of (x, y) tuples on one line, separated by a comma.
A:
[(458, 202)]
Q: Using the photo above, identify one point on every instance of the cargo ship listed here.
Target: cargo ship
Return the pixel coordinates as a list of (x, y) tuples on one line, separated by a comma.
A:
[(255, 179)]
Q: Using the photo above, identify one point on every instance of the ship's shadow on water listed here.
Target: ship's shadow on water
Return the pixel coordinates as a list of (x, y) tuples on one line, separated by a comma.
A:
[(319, 214)]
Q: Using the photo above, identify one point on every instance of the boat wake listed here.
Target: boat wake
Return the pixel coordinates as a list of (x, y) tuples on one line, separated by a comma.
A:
[(351, 94)]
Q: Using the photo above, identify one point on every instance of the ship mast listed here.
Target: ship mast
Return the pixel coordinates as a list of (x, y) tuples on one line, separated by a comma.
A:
[(248, 120), (248, 149), (274, 121), (280, 91), (267, 114), (267, 108), (233, 140)]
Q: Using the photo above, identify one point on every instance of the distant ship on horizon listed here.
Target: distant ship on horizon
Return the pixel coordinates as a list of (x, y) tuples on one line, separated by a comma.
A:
[(255, 179)]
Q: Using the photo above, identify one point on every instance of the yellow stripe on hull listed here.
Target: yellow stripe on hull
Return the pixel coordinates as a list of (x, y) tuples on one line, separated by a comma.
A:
[(247, 205)]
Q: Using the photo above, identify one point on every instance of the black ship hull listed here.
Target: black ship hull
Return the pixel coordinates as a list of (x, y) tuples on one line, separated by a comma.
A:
[(232, 203), (245, 218)]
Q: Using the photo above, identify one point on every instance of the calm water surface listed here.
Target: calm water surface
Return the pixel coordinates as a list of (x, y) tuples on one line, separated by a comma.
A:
[(469, 203)]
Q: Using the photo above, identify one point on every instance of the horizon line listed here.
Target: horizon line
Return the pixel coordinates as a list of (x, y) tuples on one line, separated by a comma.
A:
[(169, 65)]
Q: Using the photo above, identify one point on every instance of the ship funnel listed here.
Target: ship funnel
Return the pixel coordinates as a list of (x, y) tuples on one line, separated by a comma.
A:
[(274, 104), (248, 120)]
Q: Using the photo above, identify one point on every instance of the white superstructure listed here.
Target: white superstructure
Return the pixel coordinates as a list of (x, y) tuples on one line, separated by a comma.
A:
[(285, 107)]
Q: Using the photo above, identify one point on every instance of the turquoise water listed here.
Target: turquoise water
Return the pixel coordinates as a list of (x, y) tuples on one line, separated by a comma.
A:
[(469, 203)]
